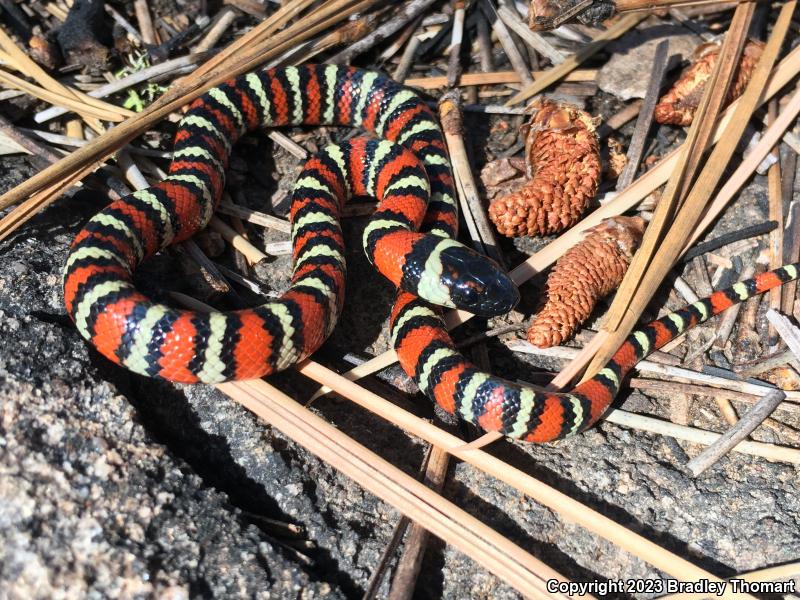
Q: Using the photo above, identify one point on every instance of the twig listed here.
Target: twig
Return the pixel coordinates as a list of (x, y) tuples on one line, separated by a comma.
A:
[(686, 221), (774, 194), (534, 40), (175, 66), (253, 254), (40, 153), (481, 337), (288, 144), (493, 109), (628, 5), (791, 233), (645, 120), (348, 33), (701, 436), (213, 276), (729, 238), (405, 15), (124, 23), (581, 56), (685, 290), (456, 35), (474, 214), (401, 40), (404, 66), (243, 281), (728, 441), (788, 332), (728, 320), (484, 44), (509, 47), (670, 371), (131, 171), (145, 22), (670, 388), (254, 216), (618, 119), (493, 78), (224, 20), (410, 562), (762, 365), (685, 20)]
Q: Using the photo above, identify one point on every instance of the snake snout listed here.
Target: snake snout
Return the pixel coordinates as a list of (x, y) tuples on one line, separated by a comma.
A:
[(477, 283)]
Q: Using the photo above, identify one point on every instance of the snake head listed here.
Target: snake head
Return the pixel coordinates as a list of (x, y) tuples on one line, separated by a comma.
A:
[(477, 284)]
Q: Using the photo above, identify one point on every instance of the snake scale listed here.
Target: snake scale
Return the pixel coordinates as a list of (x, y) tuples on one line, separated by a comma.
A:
[(410, 239)]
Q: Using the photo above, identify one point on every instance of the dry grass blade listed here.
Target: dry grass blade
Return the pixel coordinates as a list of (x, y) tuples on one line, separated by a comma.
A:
[(687, 218), (87, 157), (697, 140), (572, 62), (266, 28), (728, 440), (748, 166), (409, 496), (700, 436), (629, 5), (472, 210), (672, 373), (57, 99), (645, 120), (775, 196), (24, 64), (568, 508), (410, 562), (494, 78), (404, 15)]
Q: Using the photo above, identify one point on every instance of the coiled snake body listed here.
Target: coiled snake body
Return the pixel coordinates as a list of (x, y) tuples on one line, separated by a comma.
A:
[(402, 168)]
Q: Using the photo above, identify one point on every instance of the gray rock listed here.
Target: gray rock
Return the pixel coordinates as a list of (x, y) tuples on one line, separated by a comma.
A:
[(627, 73)]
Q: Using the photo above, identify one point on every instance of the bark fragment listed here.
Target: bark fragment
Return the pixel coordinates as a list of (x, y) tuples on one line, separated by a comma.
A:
[(85, 37), (587, 272), (678, 106), (563, 160)]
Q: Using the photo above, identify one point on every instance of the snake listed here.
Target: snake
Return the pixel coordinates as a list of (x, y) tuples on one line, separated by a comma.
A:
[(410, 239)]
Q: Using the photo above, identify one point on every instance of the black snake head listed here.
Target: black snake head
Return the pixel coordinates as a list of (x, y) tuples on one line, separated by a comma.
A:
[(477, 283)]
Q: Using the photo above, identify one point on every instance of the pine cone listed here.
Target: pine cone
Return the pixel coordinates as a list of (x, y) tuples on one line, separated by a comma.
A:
[(617, 159), (678, 106), (586, 273), (563, 157)]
